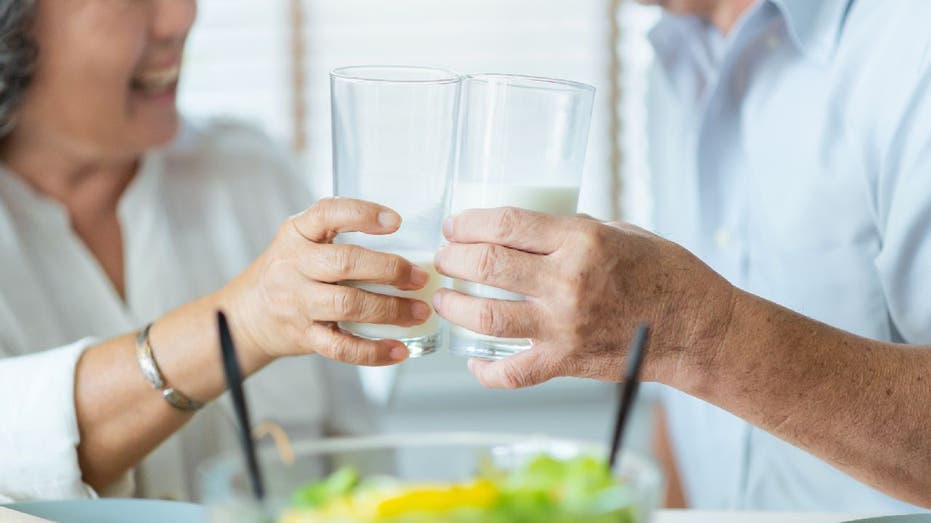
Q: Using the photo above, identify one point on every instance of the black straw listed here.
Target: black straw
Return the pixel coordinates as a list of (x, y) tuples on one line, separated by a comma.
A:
[(628, 389), (234, 383)]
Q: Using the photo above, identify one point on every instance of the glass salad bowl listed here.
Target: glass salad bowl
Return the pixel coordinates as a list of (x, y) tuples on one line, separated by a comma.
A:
[(436, 478)]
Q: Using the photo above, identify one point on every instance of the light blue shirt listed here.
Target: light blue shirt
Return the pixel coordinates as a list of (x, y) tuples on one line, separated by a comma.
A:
[(794, 157)]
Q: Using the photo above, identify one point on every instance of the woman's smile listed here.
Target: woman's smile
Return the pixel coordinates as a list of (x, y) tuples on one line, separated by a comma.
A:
[(157, 83)]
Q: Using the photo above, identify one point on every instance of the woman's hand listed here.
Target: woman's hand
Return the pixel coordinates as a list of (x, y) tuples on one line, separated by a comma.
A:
[(288, 301)]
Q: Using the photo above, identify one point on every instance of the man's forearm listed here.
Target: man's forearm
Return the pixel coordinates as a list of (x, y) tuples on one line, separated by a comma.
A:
[(861, 405)]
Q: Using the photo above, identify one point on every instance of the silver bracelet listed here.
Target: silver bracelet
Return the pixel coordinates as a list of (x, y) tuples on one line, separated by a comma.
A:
[(154, 375)]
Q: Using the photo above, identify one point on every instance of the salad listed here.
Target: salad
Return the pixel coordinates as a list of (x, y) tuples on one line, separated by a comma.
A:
[(543, 490)]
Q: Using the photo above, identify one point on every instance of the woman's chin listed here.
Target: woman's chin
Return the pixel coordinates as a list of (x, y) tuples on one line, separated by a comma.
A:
[(158, 132)]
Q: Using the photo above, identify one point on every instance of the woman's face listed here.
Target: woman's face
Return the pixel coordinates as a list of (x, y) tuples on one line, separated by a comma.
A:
[(107, 73), (684, 6)]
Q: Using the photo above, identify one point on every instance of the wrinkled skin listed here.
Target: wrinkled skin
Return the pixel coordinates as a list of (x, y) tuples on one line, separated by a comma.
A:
[(587, 284), (288, 301)]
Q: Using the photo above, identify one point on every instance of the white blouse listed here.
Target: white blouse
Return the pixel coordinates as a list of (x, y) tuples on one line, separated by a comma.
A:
[(197, 213)]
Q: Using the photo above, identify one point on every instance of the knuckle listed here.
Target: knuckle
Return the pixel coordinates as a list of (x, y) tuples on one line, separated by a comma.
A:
[(342, 261), (590, 237), (397, 268), (506, 223), (344, 302), (341, 350), (322, 209), (490, 320), (512, 377), (488, 261), (309, 224), (386, 309), (323, 205)]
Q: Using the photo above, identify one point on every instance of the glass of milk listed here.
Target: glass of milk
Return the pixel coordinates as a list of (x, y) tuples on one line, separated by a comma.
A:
[(522, 144), (394, 143)]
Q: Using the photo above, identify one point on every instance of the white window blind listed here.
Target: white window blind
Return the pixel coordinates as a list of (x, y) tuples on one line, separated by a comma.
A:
[(636, 56), (240, 61), (237, 62)]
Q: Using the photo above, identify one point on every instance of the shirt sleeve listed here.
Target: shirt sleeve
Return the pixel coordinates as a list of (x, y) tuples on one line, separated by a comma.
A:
[(38, 426), (904, 217)]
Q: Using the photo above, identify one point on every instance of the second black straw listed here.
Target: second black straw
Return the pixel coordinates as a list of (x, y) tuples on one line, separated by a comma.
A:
[(628, 389)]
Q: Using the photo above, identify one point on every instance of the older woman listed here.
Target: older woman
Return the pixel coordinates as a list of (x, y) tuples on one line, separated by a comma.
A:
[(115, 214)]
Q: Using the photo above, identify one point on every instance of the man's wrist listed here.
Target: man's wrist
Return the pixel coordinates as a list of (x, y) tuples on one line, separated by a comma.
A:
[(702, 362)]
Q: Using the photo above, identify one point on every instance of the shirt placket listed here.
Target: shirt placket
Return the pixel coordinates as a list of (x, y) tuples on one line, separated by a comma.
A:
[(723, 198)]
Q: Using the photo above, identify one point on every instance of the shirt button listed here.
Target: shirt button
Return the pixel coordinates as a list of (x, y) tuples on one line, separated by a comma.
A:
[(723, 239)]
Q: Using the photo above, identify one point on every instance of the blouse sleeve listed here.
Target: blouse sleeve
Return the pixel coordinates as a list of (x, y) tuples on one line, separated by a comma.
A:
[(38, 426)]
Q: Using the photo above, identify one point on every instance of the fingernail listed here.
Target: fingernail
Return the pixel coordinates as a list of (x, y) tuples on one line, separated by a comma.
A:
[(420, 310), (437, 301), (438, 259), (448, 227), (388, 219), (399, 353), (419, 276)]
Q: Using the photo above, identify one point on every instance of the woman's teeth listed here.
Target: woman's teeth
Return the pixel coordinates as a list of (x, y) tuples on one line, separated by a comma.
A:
[(152, 83)]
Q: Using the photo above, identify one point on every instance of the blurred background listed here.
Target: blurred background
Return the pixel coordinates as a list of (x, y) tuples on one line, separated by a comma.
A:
[(267, 62)]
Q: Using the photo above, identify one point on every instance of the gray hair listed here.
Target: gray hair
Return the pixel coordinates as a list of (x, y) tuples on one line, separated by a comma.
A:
[(18, 54)]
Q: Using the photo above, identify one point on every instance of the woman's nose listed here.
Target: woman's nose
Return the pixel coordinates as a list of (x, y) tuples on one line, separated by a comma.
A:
[(172, 19)]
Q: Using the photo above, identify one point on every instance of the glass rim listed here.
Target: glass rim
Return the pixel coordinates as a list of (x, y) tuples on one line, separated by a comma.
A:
[(322, 446), (531, 81), (352, 73)]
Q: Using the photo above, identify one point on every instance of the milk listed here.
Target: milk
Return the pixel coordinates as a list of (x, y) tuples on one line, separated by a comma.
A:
[(549, 199), (557, 200), (431, 327)]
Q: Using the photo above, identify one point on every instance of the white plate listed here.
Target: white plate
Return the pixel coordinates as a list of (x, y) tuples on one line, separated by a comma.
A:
[(700, 516), (112, 511), (916, 518)]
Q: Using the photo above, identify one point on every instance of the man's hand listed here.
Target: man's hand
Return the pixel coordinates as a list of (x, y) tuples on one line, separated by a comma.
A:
[(587, 284), (856, 403)]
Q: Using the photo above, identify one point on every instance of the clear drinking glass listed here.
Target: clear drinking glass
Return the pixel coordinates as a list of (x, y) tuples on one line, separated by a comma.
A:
[(394, 143), (523, 143)]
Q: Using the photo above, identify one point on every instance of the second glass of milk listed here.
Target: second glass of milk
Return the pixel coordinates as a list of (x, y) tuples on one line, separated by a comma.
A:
[(522, 144), (394, 143)]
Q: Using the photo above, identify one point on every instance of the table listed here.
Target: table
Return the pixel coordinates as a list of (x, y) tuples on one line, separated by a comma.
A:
[(698, 516)]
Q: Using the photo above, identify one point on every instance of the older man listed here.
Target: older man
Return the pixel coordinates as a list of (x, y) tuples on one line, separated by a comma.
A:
[(791, 153)]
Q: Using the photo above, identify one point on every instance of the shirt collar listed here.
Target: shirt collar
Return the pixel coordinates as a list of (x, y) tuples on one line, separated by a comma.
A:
[(814, 25)]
